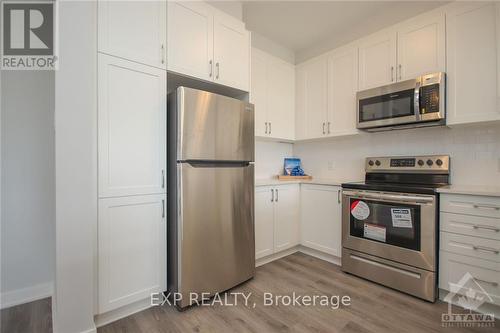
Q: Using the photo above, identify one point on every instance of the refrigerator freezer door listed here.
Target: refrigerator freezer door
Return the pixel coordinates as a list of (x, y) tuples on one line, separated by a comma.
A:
[(216, 228), (213, 127)]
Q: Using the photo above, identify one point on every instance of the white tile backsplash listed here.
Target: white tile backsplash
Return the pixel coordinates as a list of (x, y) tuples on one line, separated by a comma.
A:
[(474, 151)]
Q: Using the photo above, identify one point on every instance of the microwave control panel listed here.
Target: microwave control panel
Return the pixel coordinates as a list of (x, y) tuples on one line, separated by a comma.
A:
[(429, 99)]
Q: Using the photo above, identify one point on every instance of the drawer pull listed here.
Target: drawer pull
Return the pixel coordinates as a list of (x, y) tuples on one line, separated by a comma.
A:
[(486, 207), (488, 249), (494, 284), (487, 227)]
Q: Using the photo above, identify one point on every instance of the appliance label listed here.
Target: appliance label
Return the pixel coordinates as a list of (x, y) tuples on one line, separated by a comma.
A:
[(360, 210), (374, 232), (401, 218)]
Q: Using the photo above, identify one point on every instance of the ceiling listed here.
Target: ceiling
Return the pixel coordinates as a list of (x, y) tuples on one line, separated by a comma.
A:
[(310, 28)]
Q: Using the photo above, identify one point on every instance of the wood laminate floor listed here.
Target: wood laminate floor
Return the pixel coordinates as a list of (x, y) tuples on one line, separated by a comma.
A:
[(373, 308), (33, 317)]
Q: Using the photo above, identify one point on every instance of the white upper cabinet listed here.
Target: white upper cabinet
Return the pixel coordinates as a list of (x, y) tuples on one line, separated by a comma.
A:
[(207, 44), (131, 128), (264, 221), (421, 46), (286, 217), (377, 60), (273, 93), (231, 52), (312, 100), (133, 30), (342, 88), (190, 39), (473, 58)]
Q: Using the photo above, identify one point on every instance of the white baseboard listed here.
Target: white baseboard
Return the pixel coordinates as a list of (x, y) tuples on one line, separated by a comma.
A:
[(124, 311), (26, 295), (486, 308), (299, 248), (275, 256)]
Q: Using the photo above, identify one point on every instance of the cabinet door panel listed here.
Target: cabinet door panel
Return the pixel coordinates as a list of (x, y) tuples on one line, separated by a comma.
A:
[(131, 129), (472, 60), (286, 217), (143, 41), (321, 218), (264, 222), (132, 249), (281, 99), (342, 88), (258, 91), (231, 53), (377, 60), (190, 39), (421, 47)]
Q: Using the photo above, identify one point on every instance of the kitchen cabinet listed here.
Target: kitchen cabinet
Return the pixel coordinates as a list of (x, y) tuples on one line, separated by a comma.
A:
[(131, 128), (273, 94), (473, 58), (132, 249), (207, 44), (276, 218), (320, 221), (412, 48), (312, 99), (144, 41)]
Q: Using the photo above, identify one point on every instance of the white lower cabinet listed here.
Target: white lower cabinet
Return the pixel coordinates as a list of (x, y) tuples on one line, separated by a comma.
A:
[(132, 249), (276, 218), (321, 227)]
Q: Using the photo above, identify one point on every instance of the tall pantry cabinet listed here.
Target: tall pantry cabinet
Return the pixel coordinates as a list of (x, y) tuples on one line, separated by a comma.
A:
[(131, 231)]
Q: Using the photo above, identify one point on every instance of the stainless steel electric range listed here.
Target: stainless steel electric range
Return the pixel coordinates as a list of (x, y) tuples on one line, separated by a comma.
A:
[(390, 223)]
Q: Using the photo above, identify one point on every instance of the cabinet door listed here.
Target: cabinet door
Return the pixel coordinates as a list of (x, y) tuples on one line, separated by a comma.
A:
[(473, 59), (421, 47), (286, 217), (133, 30), (131, 127), (312, 98), (377, 60), (258, 91), (342, 88), (231, 52), (190, 39), (132, 249), (281, 99), (321, 218), (264, 222)]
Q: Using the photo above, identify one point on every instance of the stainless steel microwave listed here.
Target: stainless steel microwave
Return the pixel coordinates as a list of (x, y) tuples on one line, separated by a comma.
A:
[(412, 103)]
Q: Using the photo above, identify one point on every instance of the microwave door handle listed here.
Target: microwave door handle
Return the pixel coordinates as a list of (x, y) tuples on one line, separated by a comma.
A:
[(416, 100)]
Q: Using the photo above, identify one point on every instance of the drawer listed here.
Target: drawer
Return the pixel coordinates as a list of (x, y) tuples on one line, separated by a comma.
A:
[(488, 249), (471, 205), (484, 275), (477, 226)]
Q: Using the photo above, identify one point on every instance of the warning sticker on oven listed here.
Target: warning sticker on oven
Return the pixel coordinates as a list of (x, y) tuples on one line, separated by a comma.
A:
[(374, 232), (401, 218), (360, 210)]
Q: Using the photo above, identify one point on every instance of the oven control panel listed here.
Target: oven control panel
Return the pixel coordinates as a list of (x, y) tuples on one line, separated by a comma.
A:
[(410, 164)]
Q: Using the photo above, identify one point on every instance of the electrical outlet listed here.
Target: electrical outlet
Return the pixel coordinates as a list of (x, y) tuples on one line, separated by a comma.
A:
[(331, 165)]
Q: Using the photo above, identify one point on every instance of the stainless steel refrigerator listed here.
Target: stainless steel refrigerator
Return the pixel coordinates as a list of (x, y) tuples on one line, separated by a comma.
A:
[(211, 245)]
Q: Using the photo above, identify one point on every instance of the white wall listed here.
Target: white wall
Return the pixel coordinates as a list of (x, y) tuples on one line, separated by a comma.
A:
[(271, 47), (474, 151), (231, 7), (28, 194), (76, 167), (269, 158)]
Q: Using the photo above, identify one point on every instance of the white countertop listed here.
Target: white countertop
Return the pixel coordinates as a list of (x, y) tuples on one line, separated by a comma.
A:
[(493, 191), (316, 181)]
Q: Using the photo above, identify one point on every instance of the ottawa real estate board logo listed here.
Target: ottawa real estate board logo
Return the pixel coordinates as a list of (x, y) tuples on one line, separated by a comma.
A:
[(28, 35)]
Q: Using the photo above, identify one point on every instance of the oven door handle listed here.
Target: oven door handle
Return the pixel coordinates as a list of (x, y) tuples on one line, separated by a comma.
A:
[(402, 198)]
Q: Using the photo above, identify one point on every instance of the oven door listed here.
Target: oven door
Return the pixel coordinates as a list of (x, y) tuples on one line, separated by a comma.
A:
[(393, 104), (395, 226)]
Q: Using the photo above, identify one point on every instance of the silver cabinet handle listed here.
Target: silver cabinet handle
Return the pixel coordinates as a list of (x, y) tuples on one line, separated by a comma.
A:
[(162, 53), (277, 195), (400, 71), (487, 227), (272, 195), (163, 208), (270, 128), (162, 178), (494, 284), (486, 207), (392, 73), (211, 66), (487, 249), (328, 127), (266, 127), (323, 128), (338, 196), (217, 67)]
